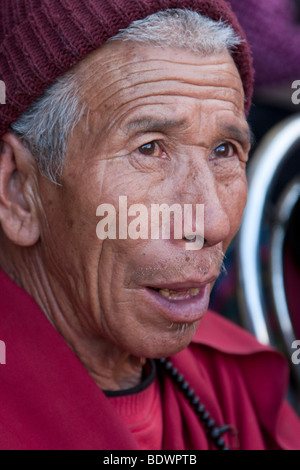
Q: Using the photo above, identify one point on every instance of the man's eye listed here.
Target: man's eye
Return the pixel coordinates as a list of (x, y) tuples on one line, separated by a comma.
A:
[(224, 150), (152, 149), (149, 149)]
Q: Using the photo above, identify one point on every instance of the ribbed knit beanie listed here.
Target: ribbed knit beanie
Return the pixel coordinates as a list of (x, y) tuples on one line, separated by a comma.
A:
[(42, 39)]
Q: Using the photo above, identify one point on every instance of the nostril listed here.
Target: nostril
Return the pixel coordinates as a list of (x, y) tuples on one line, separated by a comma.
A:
[(190, 238)]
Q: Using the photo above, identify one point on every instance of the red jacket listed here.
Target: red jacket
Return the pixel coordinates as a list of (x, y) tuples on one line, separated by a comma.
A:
[(49, 401)]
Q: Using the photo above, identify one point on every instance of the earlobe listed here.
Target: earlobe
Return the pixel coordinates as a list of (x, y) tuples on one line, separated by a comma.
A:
[(18, 215)]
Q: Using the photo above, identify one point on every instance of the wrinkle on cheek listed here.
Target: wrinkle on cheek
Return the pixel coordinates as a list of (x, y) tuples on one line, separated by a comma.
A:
[(137, 182), (111, 276), (227, 170), (235, 198), (151, 170), (102, 171)]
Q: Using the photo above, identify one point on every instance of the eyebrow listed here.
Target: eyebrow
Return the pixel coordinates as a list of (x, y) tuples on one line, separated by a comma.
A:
[(149, 124), (244, 135)]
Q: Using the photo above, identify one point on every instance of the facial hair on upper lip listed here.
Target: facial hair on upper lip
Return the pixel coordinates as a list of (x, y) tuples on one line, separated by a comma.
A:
[(216, 261), (177, 270)]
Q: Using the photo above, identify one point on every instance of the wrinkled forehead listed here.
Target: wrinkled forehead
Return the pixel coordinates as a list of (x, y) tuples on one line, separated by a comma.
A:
[(119, 73)]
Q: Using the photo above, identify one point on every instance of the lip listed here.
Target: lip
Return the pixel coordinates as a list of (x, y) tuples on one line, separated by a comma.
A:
[(181, 310), (182, 285)]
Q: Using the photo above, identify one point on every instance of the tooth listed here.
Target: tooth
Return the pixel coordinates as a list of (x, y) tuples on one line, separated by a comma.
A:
[(174, 293), (171, 294), (165, 292), (194, 291)]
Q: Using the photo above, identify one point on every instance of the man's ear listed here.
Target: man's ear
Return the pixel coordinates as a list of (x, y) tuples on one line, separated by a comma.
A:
[(18, 212)]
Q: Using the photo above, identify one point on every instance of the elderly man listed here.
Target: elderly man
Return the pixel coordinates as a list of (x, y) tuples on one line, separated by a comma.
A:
[(144, 100)]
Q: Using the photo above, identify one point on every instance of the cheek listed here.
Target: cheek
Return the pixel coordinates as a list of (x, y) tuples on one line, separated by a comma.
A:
[(235, 198)]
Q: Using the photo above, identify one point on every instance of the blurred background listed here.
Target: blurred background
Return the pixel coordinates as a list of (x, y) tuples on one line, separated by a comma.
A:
[(261, 288)]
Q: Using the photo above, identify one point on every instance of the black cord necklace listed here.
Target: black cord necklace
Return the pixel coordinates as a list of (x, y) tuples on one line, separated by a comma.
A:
[(213, 432)]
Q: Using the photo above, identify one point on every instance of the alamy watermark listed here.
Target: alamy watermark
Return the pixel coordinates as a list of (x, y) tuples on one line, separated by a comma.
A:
[(160, 221), (2, 353), (296, 93), (2, 92), (296, 354)]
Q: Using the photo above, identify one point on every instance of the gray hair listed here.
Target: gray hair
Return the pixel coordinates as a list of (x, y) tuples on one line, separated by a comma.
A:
[(46, 126), (185, 29)]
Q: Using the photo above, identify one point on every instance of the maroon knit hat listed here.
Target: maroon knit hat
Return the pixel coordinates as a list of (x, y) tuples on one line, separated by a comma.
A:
[(42, 39)]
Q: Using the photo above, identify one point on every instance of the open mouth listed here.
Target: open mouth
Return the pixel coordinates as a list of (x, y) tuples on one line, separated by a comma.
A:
[(179, 302), (178, 294)]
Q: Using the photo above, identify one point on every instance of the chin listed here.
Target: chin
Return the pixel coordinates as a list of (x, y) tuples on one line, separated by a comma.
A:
[(175, 339)]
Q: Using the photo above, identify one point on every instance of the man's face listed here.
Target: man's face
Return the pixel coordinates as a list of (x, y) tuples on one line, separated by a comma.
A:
[(163, 126)]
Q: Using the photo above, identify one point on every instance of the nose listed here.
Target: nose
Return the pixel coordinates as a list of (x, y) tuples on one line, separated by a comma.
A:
[(205, 190)]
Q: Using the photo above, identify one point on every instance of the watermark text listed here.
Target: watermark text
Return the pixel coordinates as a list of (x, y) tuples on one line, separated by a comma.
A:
[(2, 92), (2, 352), (296, 93), (151, 459), (159, 221), (296, 354)]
